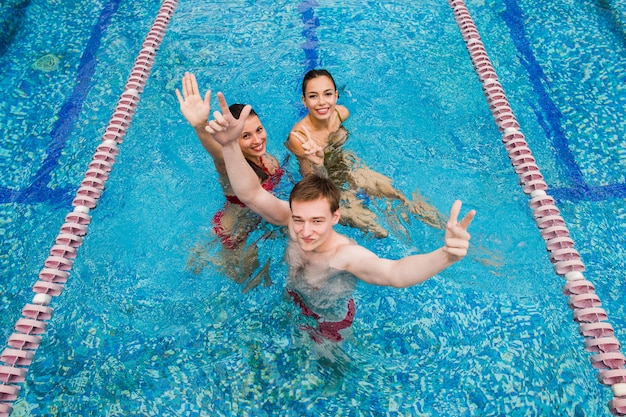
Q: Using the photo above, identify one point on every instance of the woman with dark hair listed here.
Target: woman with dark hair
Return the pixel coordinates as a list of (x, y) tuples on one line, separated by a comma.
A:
[(234, 222), (317, 141)]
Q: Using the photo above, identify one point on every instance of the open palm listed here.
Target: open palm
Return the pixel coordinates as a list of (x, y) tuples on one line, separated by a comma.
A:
[(194, 107)]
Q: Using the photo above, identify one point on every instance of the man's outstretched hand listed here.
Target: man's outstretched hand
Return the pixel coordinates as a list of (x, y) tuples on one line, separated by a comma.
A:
[(456, 239)]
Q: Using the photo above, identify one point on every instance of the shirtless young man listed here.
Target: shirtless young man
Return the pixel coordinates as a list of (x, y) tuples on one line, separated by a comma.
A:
[(319, 257)]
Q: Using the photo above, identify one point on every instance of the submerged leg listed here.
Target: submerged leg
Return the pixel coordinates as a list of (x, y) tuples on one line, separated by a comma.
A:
[(262, 276), (355, 214), (378, 185), (426, 212), (335, 362), (375, 184), (199, 258)]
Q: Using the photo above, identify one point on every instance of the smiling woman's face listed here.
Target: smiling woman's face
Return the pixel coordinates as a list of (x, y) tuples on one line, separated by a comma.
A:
[(253, 138), (320, 97)]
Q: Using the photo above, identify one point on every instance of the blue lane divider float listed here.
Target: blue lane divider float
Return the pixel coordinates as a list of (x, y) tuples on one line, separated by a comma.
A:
[(23, 343), (598, 333)]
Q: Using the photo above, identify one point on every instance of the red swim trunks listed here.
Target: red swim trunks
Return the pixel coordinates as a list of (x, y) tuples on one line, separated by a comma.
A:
[(328, 330)]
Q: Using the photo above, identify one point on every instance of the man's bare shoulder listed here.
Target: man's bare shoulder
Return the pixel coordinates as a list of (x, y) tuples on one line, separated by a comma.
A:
[(346, 252)]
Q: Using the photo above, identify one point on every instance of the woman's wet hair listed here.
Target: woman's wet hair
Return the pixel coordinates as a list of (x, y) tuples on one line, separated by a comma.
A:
[(235, 110), (313, 187), (314, 73)]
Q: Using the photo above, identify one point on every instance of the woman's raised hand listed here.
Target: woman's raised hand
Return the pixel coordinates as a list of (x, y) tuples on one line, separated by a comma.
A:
[(195, 108)]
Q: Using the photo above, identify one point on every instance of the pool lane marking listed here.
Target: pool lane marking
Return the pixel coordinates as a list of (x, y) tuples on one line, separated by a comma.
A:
[(550, 118), (25, 340), (38, 190), (598, 333), (311, 42)]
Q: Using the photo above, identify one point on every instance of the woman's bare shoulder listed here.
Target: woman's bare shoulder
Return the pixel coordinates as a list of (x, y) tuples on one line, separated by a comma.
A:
[(343, 112), (299, 126)]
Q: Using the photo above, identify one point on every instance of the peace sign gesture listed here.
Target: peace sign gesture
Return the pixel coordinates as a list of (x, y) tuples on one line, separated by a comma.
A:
[(456, 239), (313, 152)]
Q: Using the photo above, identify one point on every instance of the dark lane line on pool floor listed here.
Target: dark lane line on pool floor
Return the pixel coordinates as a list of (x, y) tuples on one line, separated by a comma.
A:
[(311, 42), (39, 191), (550, 119)]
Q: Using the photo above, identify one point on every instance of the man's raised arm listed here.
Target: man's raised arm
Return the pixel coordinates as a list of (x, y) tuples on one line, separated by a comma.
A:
[(226, 130), (410, 270)]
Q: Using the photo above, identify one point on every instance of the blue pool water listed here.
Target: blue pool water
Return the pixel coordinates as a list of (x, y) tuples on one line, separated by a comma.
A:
[(136, 332)]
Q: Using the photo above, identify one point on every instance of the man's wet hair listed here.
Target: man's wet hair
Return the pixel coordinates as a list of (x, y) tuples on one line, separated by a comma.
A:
[(313, 187)]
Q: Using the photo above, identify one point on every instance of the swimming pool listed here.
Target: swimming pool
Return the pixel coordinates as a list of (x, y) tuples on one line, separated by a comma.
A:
[(135, 332)]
